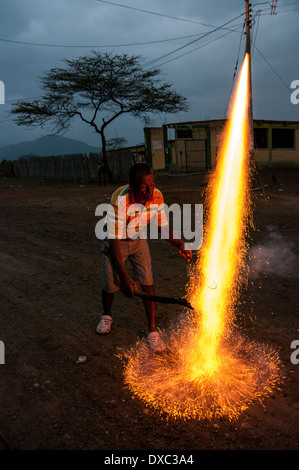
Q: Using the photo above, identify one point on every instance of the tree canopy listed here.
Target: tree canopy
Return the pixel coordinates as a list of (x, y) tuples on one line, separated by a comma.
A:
[(98, 88)]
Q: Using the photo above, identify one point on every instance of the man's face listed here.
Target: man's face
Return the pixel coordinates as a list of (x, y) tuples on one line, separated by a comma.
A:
[(144, 188)]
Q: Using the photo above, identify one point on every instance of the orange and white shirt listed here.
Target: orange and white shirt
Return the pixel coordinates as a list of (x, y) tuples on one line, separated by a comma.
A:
[(126, 218)]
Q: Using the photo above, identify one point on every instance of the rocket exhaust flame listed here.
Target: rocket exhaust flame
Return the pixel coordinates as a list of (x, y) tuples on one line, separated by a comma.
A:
[(209, 370), (228, 210)]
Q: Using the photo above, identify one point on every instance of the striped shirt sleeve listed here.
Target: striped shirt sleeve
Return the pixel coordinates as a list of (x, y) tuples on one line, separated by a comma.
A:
[(116, 217)]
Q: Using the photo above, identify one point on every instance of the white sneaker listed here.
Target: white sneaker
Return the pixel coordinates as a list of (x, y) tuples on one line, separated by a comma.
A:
[(104, 325), (155, 342)]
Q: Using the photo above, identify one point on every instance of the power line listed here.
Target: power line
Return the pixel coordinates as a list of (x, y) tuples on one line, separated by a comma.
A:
[(199, 47), (258, 14), (274, 71), (273, 7), (191, 42), (92, 46), (280, 5), (165, 55), (278, 12), (286, 11), (28, 43), (287, 4), (155, 13), (178, 57)]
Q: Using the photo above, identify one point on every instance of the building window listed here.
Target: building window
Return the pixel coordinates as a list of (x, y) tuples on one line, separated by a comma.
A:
[(184, 133), (261, 138), (283, 138)]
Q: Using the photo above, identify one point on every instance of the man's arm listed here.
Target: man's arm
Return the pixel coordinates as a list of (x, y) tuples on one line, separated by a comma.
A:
[(178, 243), (167, 233)]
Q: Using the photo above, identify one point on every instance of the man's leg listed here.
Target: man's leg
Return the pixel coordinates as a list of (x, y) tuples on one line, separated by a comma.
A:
[(108, 290), (107, 300), (156, 343), (105, 323), (150, 308), (141, 261)]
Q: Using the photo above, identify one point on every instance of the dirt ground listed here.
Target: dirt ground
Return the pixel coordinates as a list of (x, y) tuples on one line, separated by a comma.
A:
[(50, 305)]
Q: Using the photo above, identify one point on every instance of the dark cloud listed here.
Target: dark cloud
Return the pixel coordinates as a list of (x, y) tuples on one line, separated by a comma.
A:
[(204, 76)]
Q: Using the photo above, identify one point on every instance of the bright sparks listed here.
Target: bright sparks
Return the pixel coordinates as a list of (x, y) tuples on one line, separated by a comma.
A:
[(209, 370)]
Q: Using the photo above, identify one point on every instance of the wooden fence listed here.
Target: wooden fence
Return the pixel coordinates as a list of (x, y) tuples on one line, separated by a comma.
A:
[(77, 167)]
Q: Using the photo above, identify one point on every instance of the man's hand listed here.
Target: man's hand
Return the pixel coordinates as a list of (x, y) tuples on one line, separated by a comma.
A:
[(128, 286), (125, 283), (178, 243), (187, 254)]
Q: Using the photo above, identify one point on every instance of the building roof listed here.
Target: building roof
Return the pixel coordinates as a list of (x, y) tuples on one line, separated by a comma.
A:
[(214, 122)]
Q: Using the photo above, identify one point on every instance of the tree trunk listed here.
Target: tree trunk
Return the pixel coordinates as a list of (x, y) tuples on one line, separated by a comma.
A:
[(105, 159)]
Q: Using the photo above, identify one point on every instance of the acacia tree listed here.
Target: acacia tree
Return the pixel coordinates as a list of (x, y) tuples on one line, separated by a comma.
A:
[(116, 143), (98, 88)]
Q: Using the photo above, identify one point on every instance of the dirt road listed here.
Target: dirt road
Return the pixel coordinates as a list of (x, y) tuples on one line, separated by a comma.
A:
[(50, 305)]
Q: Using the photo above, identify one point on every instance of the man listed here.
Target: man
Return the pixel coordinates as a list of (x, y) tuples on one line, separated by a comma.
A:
[(133, 207)]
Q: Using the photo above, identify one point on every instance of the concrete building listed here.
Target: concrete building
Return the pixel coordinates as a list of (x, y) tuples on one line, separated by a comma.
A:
[(192, 146)]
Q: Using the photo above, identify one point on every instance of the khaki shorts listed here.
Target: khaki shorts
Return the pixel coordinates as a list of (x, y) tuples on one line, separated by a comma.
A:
[(138, 254)]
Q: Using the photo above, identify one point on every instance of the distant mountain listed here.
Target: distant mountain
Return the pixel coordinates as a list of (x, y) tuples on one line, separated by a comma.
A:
[(46, 146)]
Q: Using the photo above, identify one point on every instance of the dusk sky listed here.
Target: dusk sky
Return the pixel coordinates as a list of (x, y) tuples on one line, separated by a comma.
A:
[(196, 44)]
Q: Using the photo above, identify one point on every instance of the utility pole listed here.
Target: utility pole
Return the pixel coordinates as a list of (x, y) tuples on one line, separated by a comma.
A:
[(250, 111), (248, 51)]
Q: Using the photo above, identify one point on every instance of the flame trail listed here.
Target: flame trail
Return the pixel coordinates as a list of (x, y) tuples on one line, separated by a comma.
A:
[(228, 210), (209, 370)]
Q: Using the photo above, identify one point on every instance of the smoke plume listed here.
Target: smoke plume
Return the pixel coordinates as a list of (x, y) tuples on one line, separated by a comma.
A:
[(273, 256)]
